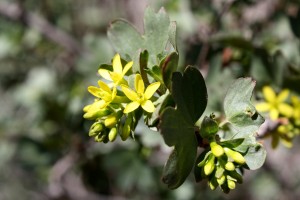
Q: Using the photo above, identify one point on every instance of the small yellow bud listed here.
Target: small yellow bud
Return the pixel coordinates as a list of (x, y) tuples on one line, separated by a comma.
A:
[(213, 184), (95, 129), (236, 156), (231, 184), (216, 149), (112, 135), (229, 166), (221, 180), (112, 119), (210, 165), (97, 114)]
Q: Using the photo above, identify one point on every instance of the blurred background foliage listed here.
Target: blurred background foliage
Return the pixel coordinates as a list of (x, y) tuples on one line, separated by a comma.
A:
[(49, 53)]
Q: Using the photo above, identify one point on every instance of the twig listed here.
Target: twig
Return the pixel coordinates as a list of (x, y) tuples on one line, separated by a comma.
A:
[(15, 12)]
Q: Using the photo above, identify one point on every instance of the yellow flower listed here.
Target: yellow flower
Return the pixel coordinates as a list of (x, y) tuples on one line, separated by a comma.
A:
[(275, 104), (141, 96), (118, 72), (296, 106), (103, 92)]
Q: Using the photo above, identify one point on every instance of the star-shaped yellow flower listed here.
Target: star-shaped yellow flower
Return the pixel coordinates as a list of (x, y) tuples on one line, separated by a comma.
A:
[(140, 97), (118, 72), (103, 92), (275, 104)]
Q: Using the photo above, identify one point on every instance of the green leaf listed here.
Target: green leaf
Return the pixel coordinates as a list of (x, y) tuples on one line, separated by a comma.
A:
[(177, 125), (169, 65), (178, 132), (239, 110), (156, 30), (255, 156), (190, 94), (172, 35), (128, 42), (125, 38)]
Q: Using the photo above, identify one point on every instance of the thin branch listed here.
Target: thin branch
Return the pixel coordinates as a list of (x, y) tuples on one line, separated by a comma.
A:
[(13, 11)]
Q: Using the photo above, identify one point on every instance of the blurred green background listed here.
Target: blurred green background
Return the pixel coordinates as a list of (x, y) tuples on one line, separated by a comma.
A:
[(50, 51)]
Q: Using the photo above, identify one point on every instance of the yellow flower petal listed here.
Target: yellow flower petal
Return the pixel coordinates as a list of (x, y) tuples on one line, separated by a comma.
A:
[(269, 94), (148, 106), (295, 100), (285, 109), (131, 107), (95, 91), (133, 96), (151, 89), (139, 84), (282, 96), (263, 107), (274, 114), (104, 86), (296, 114), (105, 74), (116, 77), (86, 108), (117, 65), (127, 67), (97, 105)]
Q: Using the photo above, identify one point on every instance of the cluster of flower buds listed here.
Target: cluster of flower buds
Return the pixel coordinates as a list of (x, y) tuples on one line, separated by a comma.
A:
[(219, 163), (116, 103), (107, 128), (220, 166)]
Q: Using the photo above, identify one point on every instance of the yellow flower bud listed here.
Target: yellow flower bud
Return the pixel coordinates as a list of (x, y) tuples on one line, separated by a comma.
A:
[(231, 184), (229, 166), (95, 129), (112, 135), (213, 184), (236, 156), (210, 165), (112, 119), (221, 180), (216, 149)]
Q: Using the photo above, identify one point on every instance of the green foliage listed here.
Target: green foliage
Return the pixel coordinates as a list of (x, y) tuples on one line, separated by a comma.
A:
[(177, 125), (49, 56), (130, 43)]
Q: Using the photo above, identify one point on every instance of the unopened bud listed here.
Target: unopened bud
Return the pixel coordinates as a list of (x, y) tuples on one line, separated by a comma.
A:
[(221, 180), (209, 127), (216, 149), (213, 184), (229, 166), (236, 156), (210, 165), (126, 130), (95, 129), (92, 114), (112, 119), (112, 135), (231, 184)]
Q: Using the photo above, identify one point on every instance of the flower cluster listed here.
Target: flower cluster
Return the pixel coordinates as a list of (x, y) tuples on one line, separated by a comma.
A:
[(220, 163), (284, 108), (220, 166), (116, 102)]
